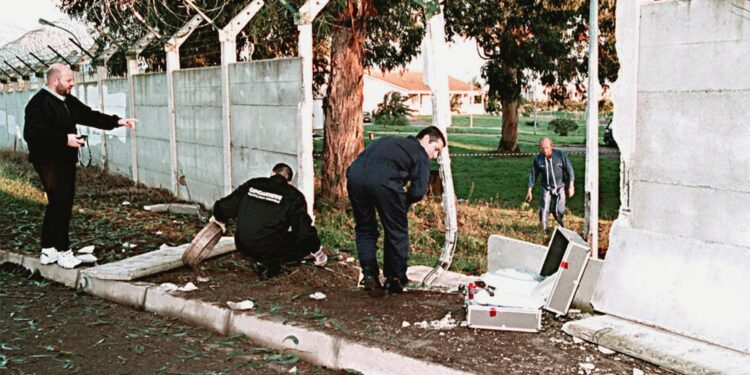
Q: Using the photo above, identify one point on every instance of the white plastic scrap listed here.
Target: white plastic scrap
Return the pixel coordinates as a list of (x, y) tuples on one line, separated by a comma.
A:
[(318, 296), (202, 279), (128, 245), (446, 323), (126, 203), (293, 370), (86, 249), (244, 305), (587, 366), (637, 371), (87, 258), (604, 350), (167, 287), (405, 324), (576, 340), (189, 287)]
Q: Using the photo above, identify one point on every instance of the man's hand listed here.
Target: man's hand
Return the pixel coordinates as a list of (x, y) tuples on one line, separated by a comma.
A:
[(127, 122), (74, 141), (571, 190), (320, 258), (528, 196)]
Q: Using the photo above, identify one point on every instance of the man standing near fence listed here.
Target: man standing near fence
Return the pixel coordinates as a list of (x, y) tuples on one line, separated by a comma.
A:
[(50, 132), (387, 177), (557, 181)]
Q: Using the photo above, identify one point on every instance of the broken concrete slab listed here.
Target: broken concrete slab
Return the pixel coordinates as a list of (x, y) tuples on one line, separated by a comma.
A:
[(703, 283), (15, 258), (152, 262), (130, 294), (196, 312), (370, 360), (3, 256), (675, 352), (447, 281), (67, 277), (506, 252), (174, 208)]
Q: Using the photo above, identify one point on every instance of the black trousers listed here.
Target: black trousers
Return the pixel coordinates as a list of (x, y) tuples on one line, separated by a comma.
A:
[(279, 250), (59, 182), (391, 206)]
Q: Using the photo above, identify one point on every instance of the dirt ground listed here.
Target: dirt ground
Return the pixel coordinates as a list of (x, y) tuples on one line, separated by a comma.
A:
[(349, 312), (46, 328)]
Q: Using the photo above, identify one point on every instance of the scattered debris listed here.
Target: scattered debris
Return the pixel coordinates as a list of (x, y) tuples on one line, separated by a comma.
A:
[(293, 370), (86, 249), (405, 324), (637, 371), (202, 279), (576, 340), (174, 208), (158, 233), (125, 203), (318, 296), (244, 305), (189, 287), (446, 323), (87, 258), (607, 351), (167, 287), (349, 259), (587, 366), (128, 245)]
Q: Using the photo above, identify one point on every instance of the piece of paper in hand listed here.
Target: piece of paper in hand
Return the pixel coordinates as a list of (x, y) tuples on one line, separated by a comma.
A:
[(86, 249), (318, 296), (244, 305)]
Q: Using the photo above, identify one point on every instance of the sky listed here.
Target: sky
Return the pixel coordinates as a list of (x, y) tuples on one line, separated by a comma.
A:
[(463, 61)]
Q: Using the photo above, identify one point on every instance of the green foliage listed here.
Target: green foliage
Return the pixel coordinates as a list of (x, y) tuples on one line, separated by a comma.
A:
[(393, 110), (562, 126), (492, 104)]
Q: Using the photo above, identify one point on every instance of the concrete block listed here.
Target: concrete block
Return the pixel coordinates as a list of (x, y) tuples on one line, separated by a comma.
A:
[(316, 347), (370, 360), (53, 272), (691, 22), (691, 211), (675, 352), (673, 120), (272, 128), (15, 258), (195, 312), (3, 256), (152, 262), (506, 252), (651, 278), (582, 298), (130, 294)]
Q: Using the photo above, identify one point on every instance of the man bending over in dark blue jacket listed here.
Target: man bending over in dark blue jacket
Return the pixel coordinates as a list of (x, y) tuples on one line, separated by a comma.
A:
[(377, 181)]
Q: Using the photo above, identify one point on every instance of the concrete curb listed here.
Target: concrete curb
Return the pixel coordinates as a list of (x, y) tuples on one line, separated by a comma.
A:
[(313, 346)]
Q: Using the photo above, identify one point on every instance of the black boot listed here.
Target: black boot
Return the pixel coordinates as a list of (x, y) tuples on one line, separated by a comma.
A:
[(265, 271), (393, 285), (371, 282)]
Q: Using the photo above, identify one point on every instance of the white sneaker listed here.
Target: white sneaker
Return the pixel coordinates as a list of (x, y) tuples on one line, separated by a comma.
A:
[(49, 256), (68, 260)]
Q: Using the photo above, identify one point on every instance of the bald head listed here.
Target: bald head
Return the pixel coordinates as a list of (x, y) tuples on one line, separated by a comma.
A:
[(60, 79), (546, 146)]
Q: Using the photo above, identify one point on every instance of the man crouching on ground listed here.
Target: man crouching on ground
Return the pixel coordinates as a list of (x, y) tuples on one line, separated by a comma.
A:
[(377, 181), (265, 209)]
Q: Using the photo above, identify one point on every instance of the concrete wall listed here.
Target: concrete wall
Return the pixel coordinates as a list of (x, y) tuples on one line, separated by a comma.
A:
[(264, 105), (679, 254), (265, 96), (199, 133), (153, 152)]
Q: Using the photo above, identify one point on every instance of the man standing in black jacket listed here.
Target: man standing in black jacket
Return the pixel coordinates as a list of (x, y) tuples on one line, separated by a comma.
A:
[(273, 226), (377, 181), (50, 132)]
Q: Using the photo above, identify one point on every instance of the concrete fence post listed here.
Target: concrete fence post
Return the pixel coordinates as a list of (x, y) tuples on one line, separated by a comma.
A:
[(172, 48), (131, 57), (228, 39), (306, 179)]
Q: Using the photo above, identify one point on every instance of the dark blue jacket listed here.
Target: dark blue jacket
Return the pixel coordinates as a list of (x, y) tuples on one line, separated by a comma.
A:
[(561, 172), (391, 162)]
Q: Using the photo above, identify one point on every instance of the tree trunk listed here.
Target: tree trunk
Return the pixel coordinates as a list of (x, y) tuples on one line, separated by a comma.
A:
[(509, 139), (344, 134)]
